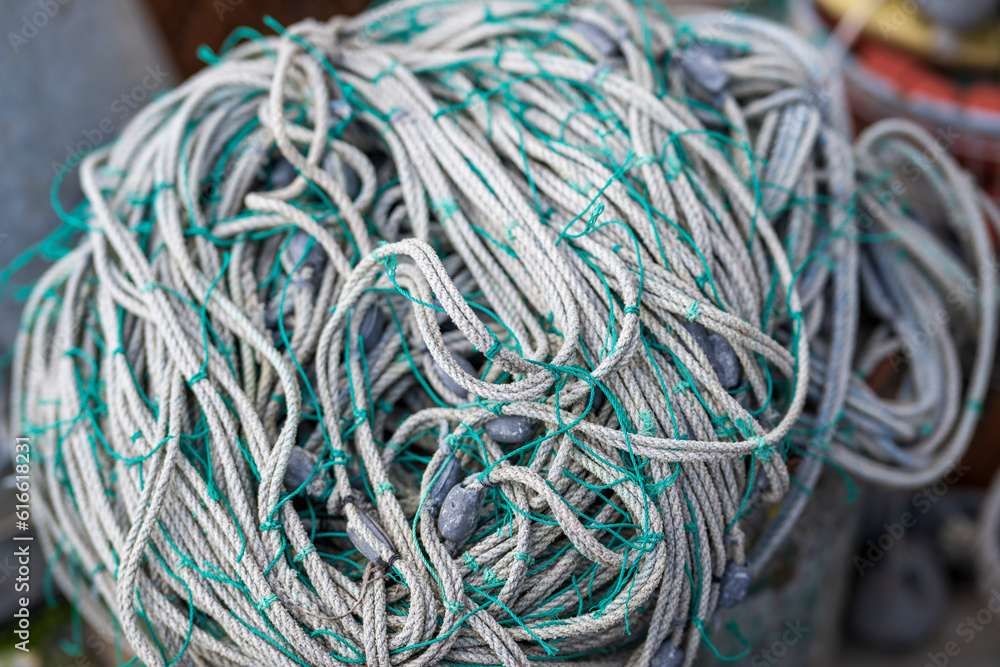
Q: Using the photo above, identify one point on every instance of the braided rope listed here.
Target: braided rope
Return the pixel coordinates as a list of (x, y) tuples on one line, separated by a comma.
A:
[(567, 285)]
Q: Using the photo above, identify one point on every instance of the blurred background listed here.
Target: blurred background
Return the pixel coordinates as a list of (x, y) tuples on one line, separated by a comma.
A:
[(860, 585)]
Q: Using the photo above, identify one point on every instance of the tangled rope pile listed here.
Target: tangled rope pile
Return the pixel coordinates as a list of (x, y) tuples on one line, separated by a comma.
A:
[(468, 331)]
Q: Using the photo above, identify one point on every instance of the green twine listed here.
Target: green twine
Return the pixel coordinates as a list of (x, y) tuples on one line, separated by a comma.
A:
[(648, 429), (445, 208), (304, 553), (693, 311), (470, 561), (763, 451)]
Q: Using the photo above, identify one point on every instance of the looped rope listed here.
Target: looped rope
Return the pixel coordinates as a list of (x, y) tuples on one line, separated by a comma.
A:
[(429, 223)]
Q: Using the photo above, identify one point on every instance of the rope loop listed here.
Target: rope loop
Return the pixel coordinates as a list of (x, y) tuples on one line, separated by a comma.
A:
[(664, 263)]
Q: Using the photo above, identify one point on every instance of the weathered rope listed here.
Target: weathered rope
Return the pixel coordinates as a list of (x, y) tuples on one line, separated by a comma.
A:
[(469, 331)]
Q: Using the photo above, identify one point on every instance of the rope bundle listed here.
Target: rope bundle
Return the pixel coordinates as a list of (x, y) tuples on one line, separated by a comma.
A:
[(468, 331)]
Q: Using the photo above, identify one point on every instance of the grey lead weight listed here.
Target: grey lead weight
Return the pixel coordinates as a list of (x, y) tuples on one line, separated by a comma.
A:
[(367, 550), (511, 429), (297, 253), (301, 465), (701, 65), (720, 354), (282, 173), (735, 584), (598, 37), (727, 364), (459, 514), (450, 475), (448, 381), (597, 402), (667, 655)]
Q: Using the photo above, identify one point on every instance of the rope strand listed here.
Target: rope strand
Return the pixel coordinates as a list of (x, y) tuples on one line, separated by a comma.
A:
[(574, 285)]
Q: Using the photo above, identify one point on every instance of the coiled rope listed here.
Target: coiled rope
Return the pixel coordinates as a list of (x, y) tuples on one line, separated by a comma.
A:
[(468, 332)]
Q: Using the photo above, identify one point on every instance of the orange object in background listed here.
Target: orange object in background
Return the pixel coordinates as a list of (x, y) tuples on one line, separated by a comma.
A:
[(883, 81), (932, 88), (982, 98), (896, 67), (902, 25)]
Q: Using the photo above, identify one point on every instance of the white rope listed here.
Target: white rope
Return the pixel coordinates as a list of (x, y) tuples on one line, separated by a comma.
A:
[(566, 284)]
